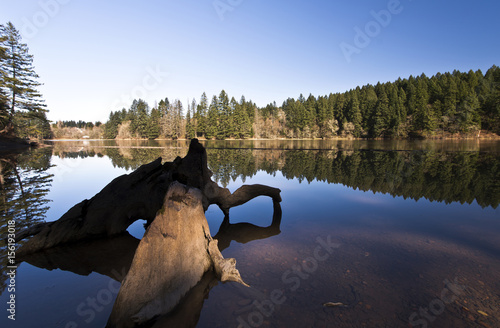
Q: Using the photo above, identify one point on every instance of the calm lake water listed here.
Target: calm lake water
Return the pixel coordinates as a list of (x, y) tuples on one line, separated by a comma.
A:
[(401, 233)]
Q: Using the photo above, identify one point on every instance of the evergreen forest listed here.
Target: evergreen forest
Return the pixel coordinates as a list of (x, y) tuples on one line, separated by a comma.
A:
[(444, 105)]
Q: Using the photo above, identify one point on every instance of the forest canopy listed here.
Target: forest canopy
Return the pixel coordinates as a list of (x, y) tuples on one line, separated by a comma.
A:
[(442, 105)]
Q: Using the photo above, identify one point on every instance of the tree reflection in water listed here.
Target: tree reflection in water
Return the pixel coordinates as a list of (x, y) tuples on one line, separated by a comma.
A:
[(25, 183), (458, 176), (437, 175)]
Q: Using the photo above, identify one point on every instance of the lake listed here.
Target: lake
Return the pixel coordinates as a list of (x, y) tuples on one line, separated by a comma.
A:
[(392, 233)]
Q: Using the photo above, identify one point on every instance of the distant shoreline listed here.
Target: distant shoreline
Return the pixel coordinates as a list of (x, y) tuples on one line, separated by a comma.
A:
[(10, 144), (483, 136)]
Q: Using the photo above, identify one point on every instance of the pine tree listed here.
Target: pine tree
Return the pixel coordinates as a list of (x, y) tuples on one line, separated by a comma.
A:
[(378, 124), (322, 115), (468, 113), (18, 80), (490, 99), (190, 130), (353, 113), (4, 112), (111, 126), (450, 96), (369, 101), (411, 96), (178, 128), (394, 120), (425, 119), (226, 129), (339, 102), (194, 118), (241, 120), (212, 119), (163, 109), (309, 116), (201, 116), (139, 116), (153, 127)]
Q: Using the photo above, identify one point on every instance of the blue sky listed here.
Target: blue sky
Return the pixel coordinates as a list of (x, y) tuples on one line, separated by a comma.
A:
[(96, 56)]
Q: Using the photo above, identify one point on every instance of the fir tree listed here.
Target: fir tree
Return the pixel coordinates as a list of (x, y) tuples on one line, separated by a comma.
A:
[(111, 126), (4, 108), (424, 117), (468, 114), (225, 121), (201, 115), (153, 127), (139, 116), (19, 81), (379, 114), (190, 130), (241, 120), (194, 118), (212, 119)]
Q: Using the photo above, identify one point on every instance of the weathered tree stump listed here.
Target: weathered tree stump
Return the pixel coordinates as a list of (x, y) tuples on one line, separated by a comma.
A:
[(174, 254), (177, 248), (138, 195)]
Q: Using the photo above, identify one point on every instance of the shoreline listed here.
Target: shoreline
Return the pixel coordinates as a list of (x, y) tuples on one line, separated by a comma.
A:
[(485, 137), (12, 144)]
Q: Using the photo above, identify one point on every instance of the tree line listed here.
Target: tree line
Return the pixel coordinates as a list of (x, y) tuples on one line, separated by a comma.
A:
[(74, 124), (442, 105), (221, 119)]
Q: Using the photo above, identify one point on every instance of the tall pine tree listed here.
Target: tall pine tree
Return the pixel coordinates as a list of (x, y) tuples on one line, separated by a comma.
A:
[(201, 116), (19, 81)]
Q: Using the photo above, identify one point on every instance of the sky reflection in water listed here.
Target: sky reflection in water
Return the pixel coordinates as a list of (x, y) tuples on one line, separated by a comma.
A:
[(392, 258)]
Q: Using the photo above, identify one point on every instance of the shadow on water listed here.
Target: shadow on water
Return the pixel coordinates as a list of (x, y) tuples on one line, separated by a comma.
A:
[(113, 257)]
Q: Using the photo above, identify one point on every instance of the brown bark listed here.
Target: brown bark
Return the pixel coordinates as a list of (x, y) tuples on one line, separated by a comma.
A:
[(138, 195), (174, 254)]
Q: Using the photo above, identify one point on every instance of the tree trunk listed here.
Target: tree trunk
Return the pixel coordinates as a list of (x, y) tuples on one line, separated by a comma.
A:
[(138, 195)]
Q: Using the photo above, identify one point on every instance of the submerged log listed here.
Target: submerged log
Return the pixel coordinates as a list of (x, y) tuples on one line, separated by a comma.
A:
[(172, 257), (138, 195)]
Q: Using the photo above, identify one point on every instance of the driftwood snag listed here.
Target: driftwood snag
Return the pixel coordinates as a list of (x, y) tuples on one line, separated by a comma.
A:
[(138, 195), (177, 249), (113, 257), (172, 257)]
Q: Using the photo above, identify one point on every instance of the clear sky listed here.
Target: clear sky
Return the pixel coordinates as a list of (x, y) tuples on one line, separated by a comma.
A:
[(96, 56)]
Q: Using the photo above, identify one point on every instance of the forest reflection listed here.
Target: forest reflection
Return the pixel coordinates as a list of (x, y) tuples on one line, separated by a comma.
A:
[(24, 185), (433, 174)]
